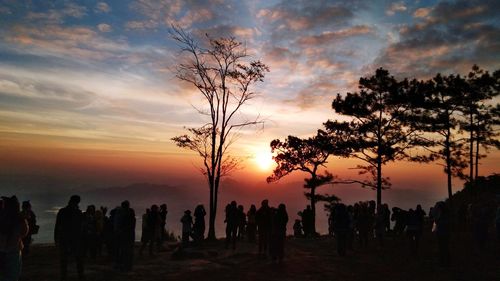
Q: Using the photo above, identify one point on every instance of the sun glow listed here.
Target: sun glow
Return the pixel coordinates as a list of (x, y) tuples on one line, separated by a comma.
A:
[(264, 160)]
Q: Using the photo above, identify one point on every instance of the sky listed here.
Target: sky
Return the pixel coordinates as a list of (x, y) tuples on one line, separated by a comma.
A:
[(88, 97)]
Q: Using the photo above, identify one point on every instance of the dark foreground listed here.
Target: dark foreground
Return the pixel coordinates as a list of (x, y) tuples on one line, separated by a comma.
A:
[(306, 259)]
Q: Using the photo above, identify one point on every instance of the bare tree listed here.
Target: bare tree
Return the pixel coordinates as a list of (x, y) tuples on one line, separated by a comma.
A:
[(224, 77)]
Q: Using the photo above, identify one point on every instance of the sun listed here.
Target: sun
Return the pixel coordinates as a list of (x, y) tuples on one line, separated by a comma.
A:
[(264, 160)]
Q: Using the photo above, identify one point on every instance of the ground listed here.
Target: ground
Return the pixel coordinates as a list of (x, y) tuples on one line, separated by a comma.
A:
[(306, 259)]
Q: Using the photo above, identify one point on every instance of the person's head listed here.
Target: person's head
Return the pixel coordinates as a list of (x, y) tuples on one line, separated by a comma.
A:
[(282, 207), (125, 204), (154, 209), (104, 210), (240, 208), (233, 204), (10, 215), (419, 208), (187, 212), (253, 208), (74, 201), (265, 203), (26, 206), (163, 207), (308, 207)]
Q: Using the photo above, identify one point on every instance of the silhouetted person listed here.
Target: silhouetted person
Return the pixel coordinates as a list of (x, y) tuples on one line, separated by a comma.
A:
[(263, 219), (341, 228), (399, 218), (380, 225), (199, 223), (352, 227), (151, 230), (363, 225), (108, 232), (278, 233), (68, 236), (242, 222), (145, 231), (387, 217), (100, 222), (187, 224), (124, 228), (442, 221), (13, 228), (297, 229), (251, 223), (30, 217), (307, 221), (232, 222), (90, 231), (163, 216), (331, 219), (412, 230)]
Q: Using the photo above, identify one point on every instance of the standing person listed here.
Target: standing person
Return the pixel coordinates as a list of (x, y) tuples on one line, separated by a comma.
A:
[(307, 221), (297, 229), (232, 222), (163, 226), (386, 212), (68, 236), (187, 224), (251, 223), (263, 219), (147, 233), (380, 225), (199, 223), (442, 222), (124, 227), (30, 217), (278, 233), (90, 232), (100, 220), (412, 231), (13, 228), (341, 228), (242, 222)]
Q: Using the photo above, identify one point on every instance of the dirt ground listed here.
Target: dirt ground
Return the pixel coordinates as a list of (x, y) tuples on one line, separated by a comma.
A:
[(306, 259)]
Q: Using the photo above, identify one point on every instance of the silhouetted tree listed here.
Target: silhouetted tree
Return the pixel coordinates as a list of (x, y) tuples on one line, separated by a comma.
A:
[(487, 133), (480, 88), (380, 130), (306, 155), (224, 78), (443, 98)]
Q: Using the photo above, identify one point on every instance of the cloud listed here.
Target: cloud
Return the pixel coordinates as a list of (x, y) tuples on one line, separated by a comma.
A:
[(103, 27), (328, 37), (451, 38), (53, 16), (102, 7), (421, 12), (299, 16), (81, 42), (396, 7), (141, 25)]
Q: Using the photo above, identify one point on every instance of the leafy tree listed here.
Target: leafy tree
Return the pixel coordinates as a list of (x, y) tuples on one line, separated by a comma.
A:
[(380, 132), (224, 77), (487, 133), (307, 155)]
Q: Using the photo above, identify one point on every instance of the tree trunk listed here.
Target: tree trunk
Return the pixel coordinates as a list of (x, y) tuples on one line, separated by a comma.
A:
[(211, 219), (477, 158), (379, 180), (313, 208), (471, 150), (447, 152)]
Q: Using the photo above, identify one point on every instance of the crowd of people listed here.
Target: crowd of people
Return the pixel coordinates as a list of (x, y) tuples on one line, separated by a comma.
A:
[(84, 235)]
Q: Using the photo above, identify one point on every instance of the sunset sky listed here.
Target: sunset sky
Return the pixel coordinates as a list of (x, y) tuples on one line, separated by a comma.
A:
[(87, 93)]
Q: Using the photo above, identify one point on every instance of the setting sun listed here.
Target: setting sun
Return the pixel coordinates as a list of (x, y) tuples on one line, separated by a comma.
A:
[(264, 160)]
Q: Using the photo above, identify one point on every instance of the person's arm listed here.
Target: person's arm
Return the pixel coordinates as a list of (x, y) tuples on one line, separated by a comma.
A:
[(24, 229)]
